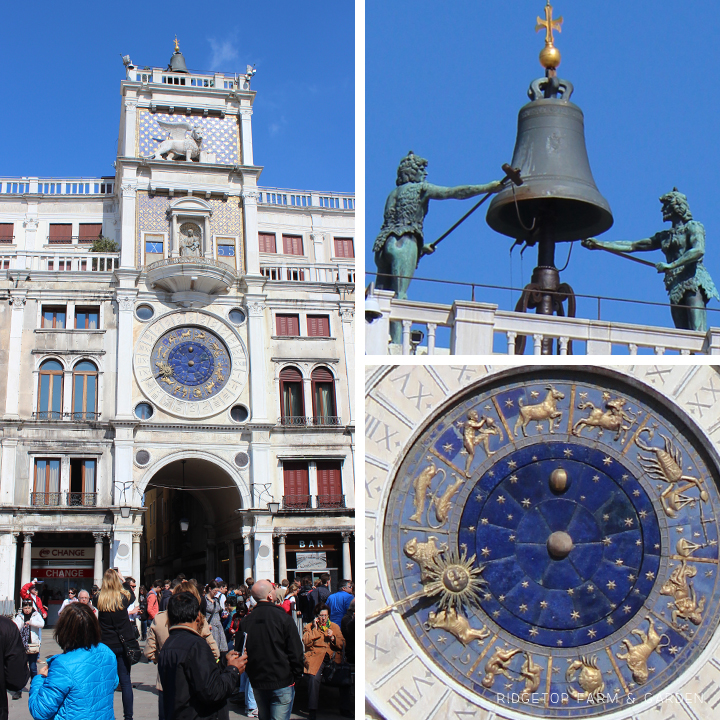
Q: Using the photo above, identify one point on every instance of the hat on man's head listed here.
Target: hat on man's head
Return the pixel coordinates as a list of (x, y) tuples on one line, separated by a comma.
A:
[(218, 579), (35, 581)]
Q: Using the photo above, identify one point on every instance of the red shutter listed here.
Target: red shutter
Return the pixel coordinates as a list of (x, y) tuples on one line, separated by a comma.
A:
[(89, 232), (318, 325), (344, 248), (6, 232), (267, 242), (287, 325), (290, 374), (292, 245), (322, 374), (297, 489), (328, 479), (60, 233)]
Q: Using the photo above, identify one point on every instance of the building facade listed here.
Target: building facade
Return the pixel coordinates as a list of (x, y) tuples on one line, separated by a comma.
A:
[(197, 370)]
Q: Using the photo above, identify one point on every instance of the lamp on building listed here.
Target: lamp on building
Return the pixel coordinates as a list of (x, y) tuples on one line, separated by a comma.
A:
[(184, 525), (372, 306), (416, 337), (273, 507), (125, 512)]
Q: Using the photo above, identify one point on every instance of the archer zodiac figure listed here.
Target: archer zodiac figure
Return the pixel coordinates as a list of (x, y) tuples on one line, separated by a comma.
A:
[(477, 431), (400, 244), (688, 283)]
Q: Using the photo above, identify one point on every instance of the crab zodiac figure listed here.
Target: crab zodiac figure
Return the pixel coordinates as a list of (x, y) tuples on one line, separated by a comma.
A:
[(179, 145)]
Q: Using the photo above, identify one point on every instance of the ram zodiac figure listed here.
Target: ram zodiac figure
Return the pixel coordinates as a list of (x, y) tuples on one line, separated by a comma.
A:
[(178, 144)]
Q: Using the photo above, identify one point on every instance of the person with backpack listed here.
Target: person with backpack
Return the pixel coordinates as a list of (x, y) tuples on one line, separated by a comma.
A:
[(153, 600)]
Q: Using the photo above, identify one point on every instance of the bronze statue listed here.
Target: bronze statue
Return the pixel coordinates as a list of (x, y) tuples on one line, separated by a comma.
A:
[(688, 283), (400, 244)]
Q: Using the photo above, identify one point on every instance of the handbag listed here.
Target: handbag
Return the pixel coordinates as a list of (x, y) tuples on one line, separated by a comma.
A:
[(33, 648), (131, 648), (337, 674)]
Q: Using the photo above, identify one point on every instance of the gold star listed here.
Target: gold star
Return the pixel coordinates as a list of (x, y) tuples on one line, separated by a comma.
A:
[(523, 608), (472, 528), (657, 546), (628, 522), (591, 588), (610, 621), (534, 632), (638, 542), (606, 517), (534, 458), (673, 650), (567, 452), (583, 395), (643, 514), (485, 552), (713, 543), (680, 530), (501, 598), (512, 537), (526, 503), (627, 609), (607, 461), (574, 614), (484, 521), (442, 639), (592, 633), (510, 517), (543, 604), (611, 585), (582, 497), (650, 575), (512, 464), (508, 403), (409, 566), (478, 497), (571, 591), (501, 499), (496, 613), (619, 561), (605, 396), (607, 541), (559, 644), (487, 596), (525, 583), (636, 493), (534, 394), (596, 478), (447, 447), (625, 477), (539, 427)]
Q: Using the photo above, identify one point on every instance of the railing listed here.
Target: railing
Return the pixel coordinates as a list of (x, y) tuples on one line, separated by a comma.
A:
[(62, 261), (57, 186), (330, 501), (296, 502), (298, 272), (58, 415), (302, 421), (45, 499), (76, 499), (472, 328), (304, 198)]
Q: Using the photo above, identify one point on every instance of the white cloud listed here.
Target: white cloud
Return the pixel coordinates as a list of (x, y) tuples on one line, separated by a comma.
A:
[(224, 54)]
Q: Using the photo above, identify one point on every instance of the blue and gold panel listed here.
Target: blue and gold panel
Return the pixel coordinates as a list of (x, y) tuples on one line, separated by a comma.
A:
[(220, 135), (191, 363), (552, 543)]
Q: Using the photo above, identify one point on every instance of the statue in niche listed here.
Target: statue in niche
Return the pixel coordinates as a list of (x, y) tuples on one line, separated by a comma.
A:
[(178, 145), (189, 240), (400, 244)]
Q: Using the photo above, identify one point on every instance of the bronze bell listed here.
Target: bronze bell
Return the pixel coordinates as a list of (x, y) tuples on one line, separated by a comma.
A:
[(558, 189)]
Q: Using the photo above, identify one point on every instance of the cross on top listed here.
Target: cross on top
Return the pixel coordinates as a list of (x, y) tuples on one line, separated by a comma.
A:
[(549, 24)]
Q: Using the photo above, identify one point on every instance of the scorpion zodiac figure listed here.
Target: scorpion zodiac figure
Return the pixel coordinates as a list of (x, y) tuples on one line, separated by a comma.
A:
[(667, 466)]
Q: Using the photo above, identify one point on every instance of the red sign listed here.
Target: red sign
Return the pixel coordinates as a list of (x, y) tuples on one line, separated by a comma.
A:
[(63, 572)]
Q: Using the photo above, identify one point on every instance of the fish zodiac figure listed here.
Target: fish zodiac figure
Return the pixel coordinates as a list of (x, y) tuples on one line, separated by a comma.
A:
[(425, 554), (686, 605), (611, 419), (421, 485), (498, 664), (443, 502), (637, 655), (590, 679), (667, 466), (477, 431), (545, 410), (457, 625)]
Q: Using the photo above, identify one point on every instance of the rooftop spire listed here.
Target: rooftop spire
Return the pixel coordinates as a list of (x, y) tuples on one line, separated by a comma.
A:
[(549, 55), (177, 61)]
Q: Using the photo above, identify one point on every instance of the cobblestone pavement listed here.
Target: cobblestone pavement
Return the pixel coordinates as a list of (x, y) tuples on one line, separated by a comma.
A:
[(145, 696)]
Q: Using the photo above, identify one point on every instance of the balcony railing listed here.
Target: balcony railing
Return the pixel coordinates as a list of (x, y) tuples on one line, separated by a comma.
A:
[(74, 416), (70, 260), (57, 186), (78, 499), (296, 502), (307, 272), (302, 421), (299, 199), (330, 501), (45, 499)]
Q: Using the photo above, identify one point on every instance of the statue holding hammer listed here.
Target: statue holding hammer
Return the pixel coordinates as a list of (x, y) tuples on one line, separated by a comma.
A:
[(688, 283), (400, 244)]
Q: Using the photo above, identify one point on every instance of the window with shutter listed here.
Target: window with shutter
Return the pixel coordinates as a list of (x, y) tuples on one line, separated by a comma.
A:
[(318, 326), (267, 242), (60, 233), (6, 232), (323, 390), (292, 402), (344, 248), (297, 489), (89, 232), (287, 325), (329, 484), (292, 245)]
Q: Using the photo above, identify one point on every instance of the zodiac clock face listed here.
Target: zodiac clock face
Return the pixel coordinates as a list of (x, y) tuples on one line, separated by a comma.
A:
[(191, 364), (546, 545)]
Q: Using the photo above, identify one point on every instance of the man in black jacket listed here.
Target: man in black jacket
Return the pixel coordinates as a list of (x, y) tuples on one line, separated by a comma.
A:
[(275, 654), (193, 684), (14, 671)]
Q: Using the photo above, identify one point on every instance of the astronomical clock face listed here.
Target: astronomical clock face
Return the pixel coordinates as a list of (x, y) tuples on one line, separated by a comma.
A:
[(547, 544), (191, 364)]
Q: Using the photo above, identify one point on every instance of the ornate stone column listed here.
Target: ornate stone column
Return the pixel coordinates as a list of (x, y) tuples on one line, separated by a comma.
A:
[(136, 538), (126, 302), (246, 135), (12, 397), (256, 340), (247, 556), (282, 558), (252, 246), (25, 575), (347, 317), (347, 559), (98, 562), (128, 232)]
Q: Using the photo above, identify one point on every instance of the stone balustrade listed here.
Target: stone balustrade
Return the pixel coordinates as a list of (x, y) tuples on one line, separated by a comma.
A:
[(66, 260)]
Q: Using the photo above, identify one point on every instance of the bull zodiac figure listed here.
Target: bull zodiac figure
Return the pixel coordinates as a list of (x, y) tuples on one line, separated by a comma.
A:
[(611, 419), (545, 410), (637, 655), (425, 554), (477, 431), (590, 679), (421, 485), (667, 466), (679, 586), (457, 625), (178, 145)]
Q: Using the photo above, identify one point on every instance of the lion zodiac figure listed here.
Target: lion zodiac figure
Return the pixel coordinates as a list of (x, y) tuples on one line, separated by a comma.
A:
[(637, 655), (425, 554), (179, 145)]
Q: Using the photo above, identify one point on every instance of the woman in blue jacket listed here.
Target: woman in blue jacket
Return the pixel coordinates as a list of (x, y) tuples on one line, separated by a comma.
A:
[(79, 683)]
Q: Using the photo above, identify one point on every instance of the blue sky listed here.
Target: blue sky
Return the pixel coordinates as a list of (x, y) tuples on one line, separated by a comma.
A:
[(447, 81), (62, 71)]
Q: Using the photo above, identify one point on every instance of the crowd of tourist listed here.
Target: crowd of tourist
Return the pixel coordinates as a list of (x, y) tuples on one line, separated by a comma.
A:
[(213, 645)]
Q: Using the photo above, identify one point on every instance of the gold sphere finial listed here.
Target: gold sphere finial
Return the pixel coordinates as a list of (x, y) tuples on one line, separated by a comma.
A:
[(177, 47), (549, 55)]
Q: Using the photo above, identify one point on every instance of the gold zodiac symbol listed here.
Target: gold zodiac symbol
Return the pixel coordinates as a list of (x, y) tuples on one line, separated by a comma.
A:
[(421, 484), (425, 554), (686, 604), (477, 431), (637, 655), (612, 419), (457, 625), (590, 680), (545, 410), (498, 664), (442, 503), (531, 672)]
